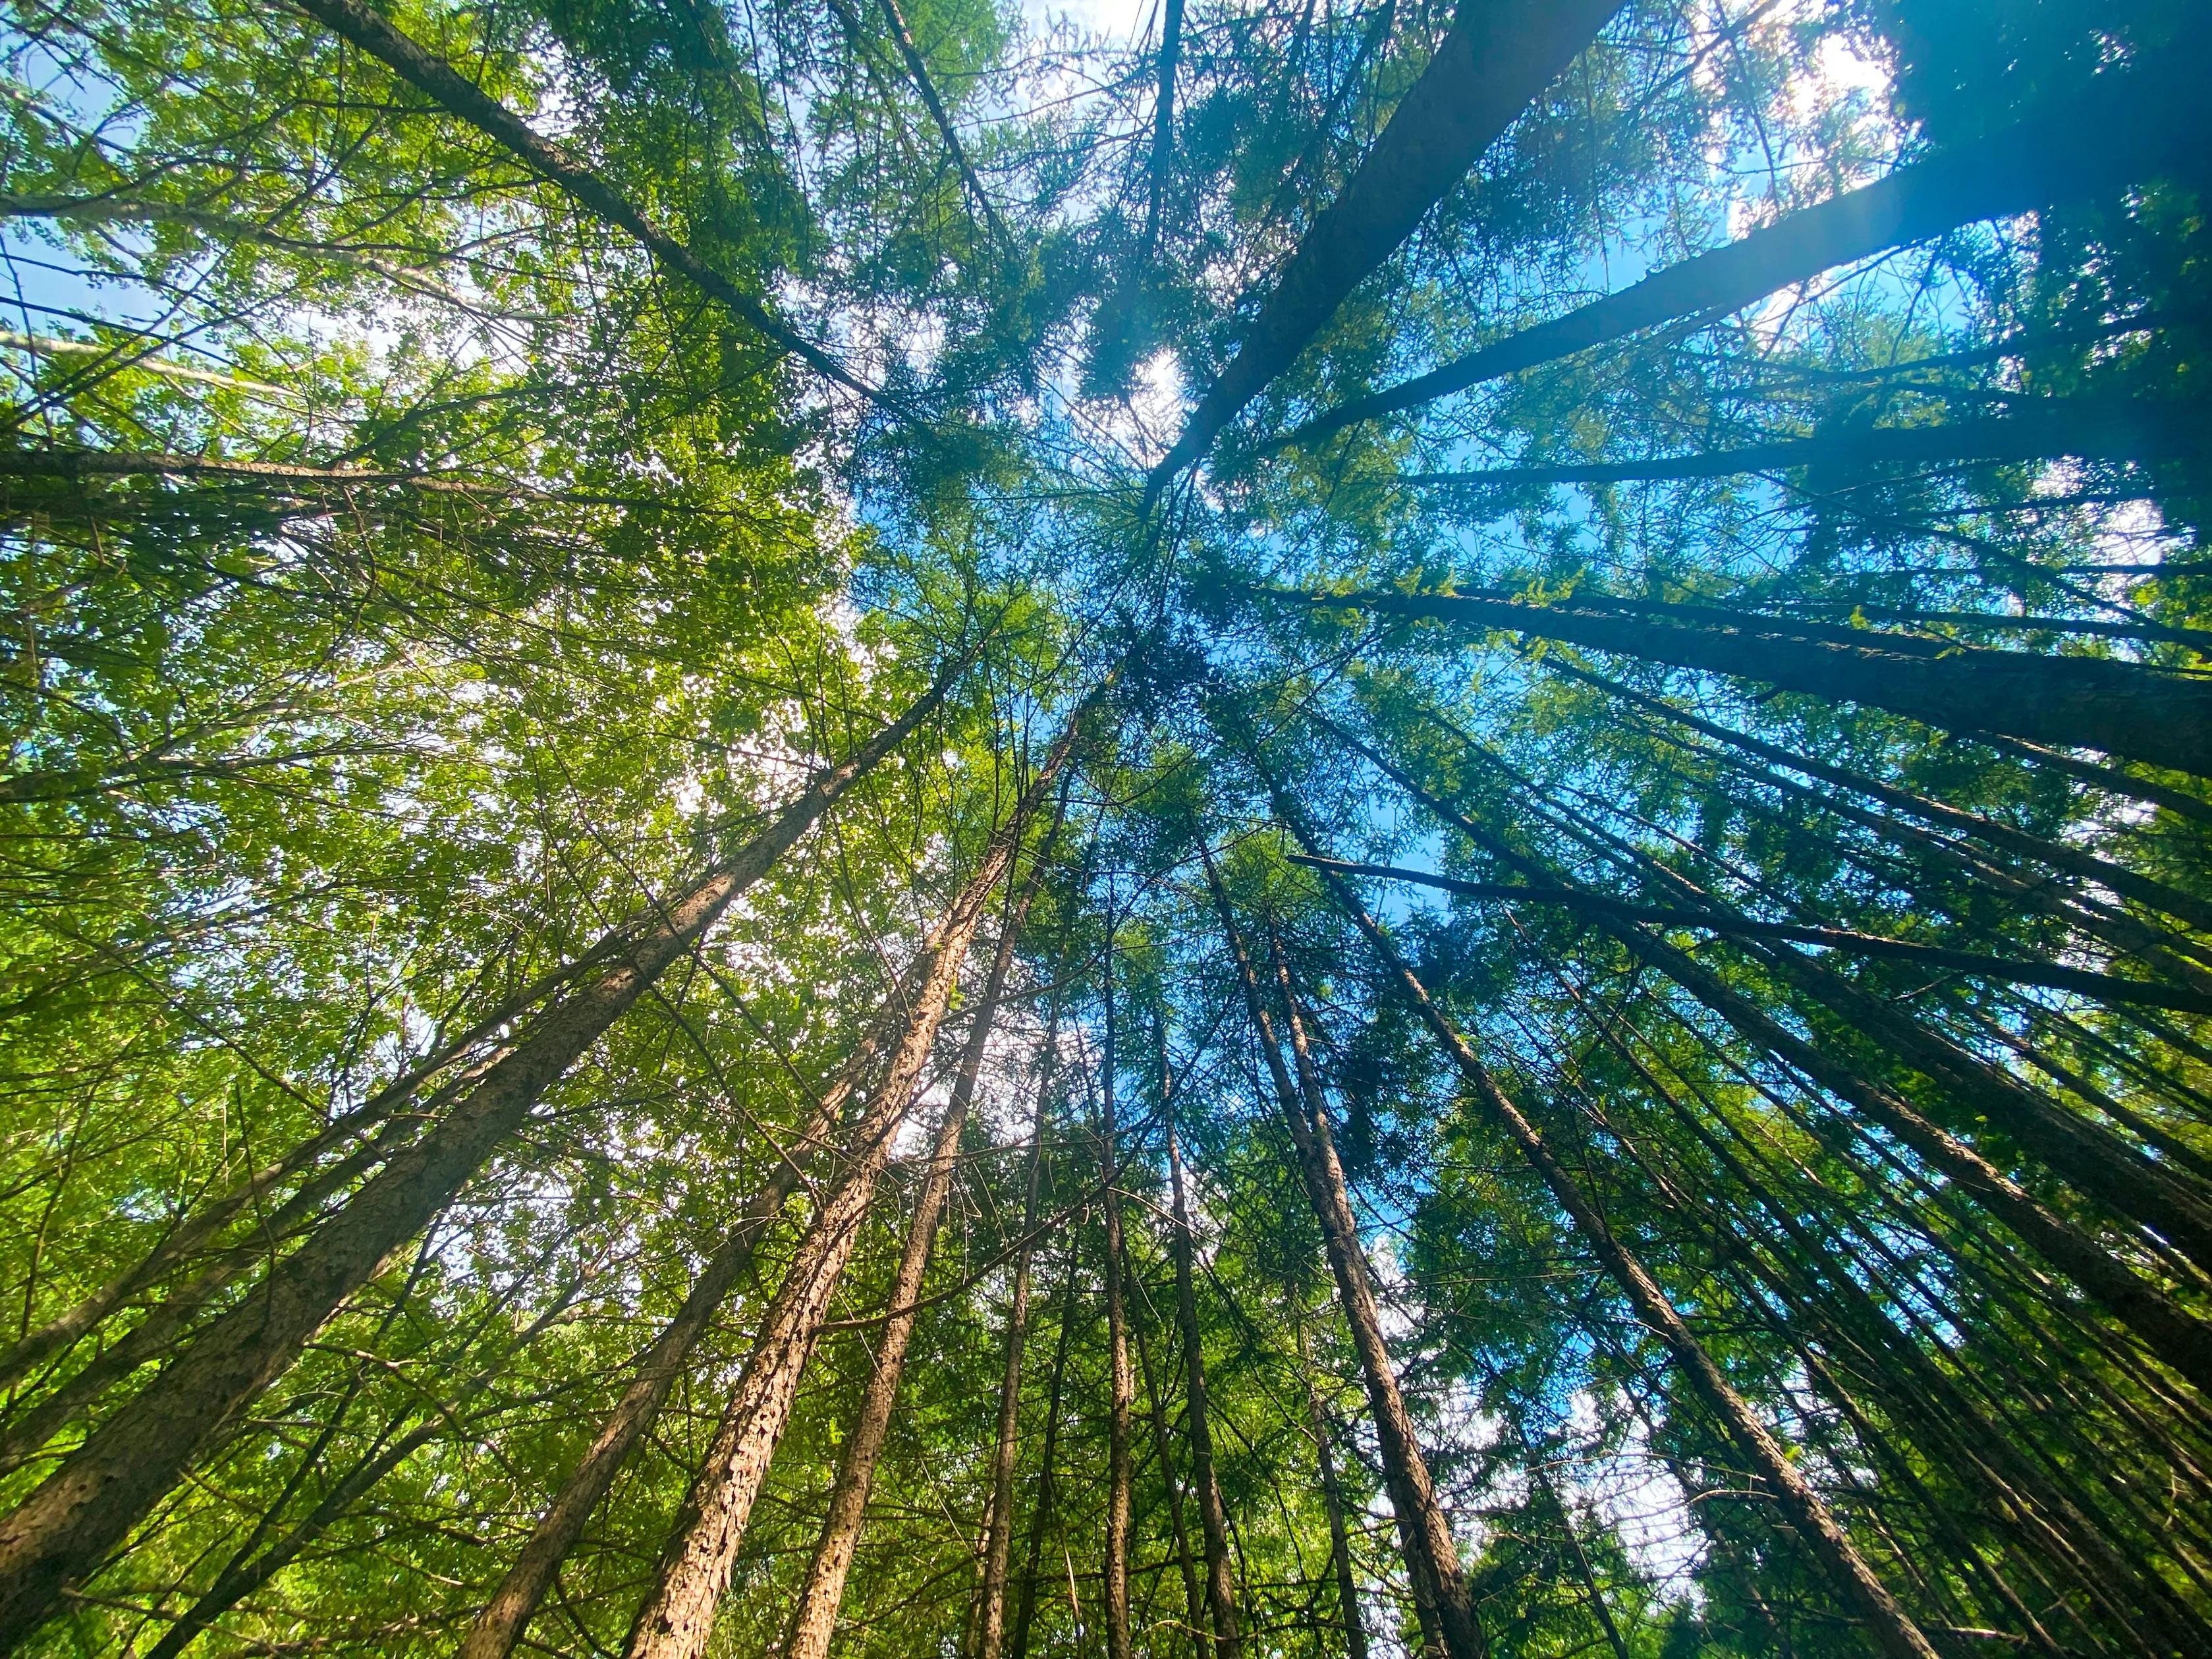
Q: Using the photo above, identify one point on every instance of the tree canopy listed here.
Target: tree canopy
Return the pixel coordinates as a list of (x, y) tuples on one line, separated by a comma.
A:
[(1269, 831)]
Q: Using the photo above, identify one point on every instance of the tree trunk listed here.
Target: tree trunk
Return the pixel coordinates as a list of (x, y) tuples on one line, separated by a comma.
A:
[(990, 1620), (2038, 428), (1018, 1643), (2146, 124), (1121, 1383), (1491, 63), (2177, 1336), (814, 1619), (1432, 1557), (1332, 1497), (2090, 703), (87, 1506), (447, 87), (1732, 924), (1888, 1622), (678, 1618), (2073, 861), (507, 1615), (1213, 1525), (1193, 1595)]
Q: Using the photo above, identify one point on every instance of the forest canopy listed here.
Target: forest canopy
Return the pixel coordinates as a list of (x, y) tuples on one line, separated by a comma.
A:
[(1280, 828)]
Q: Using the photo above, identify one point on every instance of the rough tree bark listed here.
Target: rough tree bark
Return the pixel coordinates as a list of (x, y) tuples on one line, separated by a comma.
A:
[(2145, 125), (1891, 1628), (1424, 1531), (1496, 57), (1212, 1519), (88, 1505), (814, 1619), (505, 1616), (989, 1623), (2089, 703), (677, 1617)]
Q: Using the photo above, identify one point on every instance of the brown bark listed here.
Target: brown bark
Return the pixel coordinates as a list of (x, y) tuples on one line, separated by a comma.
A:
[(814, 1619), (507, 1615), (1018, 1640), (1213, 1524), (447, 87), (2106, 987), (1424, 1531), (88, 1505), (1122, 1382), (2038, 428), (1888, 1624), (2145, 125), (990, 1617), (1193, 1596), (2090, 703), (2073, 861), (2184, 1341), (678, 1618), (1495, 59), (1332, 1497)]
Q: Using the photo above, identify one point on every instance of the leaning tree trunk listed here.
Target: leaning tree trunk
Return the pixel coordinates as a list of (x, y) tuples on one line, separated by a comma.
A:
[(87, 1506), (815, 1618), (500, 1626), (447, 87), (678, 1618), (1018, 1640), (1121, 1395), (2038, 428), (1496, 57), (1212, 1519), (989, 1622), (1332, 1497), (2089, 703), (2177, 1336), (2145, 125), (1891, 1629), (1424, 1532)]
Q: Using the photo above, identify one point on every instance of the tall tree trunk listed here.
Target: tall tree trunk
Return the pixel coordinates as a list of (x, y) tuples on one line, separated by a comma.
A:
[(2057, 855), (2090, 703), (1121, 1384), (1018, 1641), (444, 85), (1194, 1594), (814, 1619), (251, 1566), (1424, 1531), (990, 1619), (1332, 1496), (1496, 57), (2177, 1336), (69, 1523), (678, 1618), (1888, 1622), (2036, 428), (2146, 124), (1213, 1525), (1731, 923), (200, 1226), (506, 1615)]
